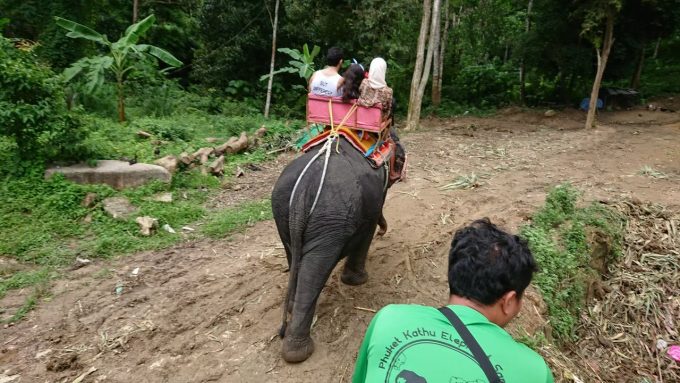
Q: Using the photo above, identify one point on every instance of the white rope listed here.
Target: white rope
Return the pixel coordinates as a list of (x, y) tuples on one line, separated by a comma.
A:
[(323, 174), (290, 202), (327, 148)]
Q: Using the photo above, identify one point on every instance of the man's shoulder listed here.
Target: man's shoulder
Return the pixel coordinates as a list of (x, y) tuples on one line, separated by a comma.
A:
[(405, 309)]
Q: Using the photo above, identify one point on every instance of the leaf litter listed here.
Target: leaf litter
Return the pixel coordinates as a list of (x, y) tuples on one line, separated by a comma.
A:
[(627, 335)]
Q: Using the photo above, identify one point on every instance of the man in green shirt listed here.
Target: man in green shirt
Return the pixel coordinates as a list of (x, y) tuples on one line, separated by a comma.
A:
[(488, 273)]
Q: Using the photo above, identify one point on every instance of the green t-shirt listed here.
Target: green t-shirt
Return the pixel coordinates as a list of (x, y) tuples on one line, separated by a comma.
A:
[(413, 343)]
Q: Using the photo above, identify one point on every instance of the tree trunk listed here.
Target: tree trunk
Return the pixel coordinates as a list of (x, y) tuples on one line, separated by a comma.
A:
[(522, 65), (135, 10), (121, 102), (414, 118), (435, 59), (438, 72), (271, 65), (656, 48), (601, 66), (420, 54), (635, 81)]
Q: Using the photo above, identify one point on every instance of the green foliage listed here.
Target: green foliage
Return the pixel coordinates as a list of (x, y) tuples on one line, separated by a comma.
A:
[(32, 108), (534, 342), (165, 129), (226, 46), (558, 238), (302, 63), (39, 291), (660, 77), (23, 279), (593, 14), (234, 219), (123, 56), (450, 109), (485, 85)]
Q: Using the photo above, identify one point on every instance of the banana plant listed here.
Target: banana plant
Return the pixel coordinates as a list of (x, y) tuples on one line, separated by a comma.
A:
[(120, 60), (302, 63)]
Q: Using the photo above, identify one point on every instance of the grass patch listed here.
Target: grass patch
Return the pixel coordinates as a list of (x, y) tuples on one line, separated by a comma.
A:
[(237, 218), (104, 273), (651, 172), (23, 279), (465, 181), (534, 342), (559, 239), (186, 132), (450, 109), (40, 291)]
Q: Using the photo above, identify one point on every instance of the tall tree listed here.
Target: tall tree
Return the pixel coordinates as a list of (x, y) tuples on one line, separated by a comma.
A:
[(597, 13), (420, 62), (271, 65), (135, 10), (416, 100), (438, 68), (522, 65)]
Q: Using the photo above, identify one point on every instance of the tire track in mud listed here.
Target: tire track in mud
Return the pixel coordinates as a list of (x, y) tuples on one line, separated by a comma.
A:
[(209, 311)]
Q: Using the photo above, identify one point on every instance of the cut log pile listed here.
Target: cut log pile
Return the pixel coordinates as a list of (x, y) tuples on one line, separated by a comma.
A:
[(212, 159)]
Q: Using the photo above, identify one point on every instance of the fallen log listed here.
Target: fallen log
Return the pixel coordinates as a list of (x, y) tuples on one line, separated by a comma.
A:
[(217, 167), (186, 158), (239, 145), (202, 154), (219, 150)]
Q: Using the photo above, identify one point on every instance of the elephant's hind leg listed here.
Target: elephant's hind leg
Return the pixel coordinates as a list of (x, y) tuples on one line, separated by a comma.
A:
[(316, 266), (354, 273)]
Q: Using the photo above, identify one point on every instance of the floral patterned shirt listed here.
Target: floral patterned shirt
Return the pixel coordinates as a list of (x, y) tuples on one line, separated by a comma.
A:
[(370, 97)]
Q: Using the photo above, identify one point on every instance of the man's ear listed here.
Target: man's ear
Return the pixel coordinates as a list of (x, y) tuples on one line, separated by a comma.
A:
[(510, 303)]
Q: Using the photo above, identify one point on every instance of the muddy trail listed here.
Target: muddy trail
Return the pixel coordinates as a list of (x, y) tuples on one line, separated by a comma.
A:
[(209, 310)]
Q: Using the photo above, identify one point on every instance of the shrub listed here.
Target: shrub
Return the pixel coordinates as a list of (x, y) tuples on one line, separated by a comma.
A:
[(33, 111), (165, 129), (484, 85), (558, 238)]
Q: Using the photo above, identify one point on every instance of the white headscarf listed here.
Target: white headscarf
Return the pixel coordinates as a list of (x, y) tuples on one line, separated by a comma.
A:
[(376, 73)]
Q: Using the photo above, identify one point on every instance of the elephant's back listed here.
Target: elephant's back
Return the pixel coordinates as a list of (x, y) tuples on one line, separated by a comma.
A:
[(349, 181)]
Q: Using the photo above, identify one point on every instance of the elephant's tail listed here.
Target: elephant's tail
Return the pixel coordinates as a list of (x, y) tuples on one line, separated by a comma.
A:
[(297, 223)]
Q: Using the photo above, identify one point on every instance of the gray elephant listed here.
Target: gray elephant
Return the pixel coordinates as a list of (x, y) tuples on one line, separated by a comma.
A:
[(320, 226)]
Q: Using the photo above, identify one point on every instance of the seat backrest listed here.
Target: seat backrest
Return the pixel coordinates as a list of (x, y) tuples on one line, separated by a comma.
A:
[(364, 118)]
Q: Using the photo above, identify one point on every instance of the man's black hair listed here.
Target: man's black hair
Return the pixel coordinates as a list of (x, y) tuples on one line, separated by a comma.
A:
[(334, 56), (486, 262)]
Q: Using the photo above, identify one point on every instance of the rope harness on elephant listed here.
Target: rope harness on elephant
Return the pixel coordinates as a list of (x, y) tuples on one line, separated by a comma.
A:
[(333, 136)]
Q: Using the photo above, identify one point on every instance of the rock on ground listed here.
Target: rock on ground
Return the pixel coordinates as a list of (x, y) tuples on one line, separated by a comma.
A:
[(119, 207), (162, 197), (89, 200), (147, 225), (117, 174)]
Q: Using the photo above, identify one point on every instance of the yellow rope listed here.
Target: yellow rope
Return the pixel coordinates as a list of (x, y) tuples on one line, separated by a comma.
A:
[(334, 129)]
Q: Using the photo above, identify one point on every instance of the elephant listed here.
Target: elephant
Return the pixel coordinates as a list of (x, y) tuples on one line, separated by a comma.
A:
[(320, 226)]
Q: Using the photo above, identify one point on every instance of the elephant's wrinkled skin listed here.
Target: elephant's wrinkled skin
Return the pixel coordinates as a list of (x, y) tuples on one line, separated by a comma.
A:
[(342, 225)]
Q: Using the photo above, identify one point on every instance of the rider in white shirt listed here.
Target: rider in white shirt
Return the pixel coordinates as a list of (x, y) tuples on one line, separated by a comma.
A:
[(327, 81)]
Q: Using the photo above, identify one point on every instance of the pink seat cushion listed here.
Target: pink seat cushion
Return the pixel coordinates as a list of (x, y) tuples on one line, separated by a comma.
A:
[(364, 118)]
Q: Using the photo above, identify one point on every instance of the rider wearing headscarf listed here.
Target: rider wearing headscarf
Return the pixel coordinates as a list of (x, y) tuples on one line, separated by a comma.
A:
[(374, 89)]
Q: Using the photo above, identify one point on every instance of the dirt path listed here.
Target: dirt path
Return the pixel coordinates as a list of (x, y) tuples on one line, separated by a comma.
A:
[(209, 310)]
